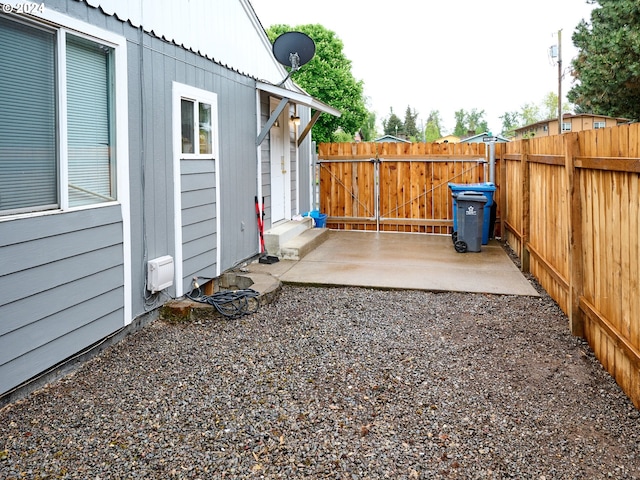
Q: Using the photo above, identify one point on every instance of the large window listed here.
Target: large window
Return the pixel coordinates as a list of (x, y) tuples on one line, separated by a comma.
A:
[(89, 117), (54, 153)]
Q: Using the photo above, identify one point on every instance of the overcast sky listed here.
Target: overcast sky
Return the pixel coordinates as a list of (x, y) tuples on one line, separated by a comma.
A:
[(445, 55)]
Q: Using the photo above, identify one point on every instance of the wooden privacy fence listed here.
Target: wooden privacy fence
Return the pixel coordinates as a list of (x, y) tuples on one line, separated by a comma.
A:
[(571, 208), (395, 186)]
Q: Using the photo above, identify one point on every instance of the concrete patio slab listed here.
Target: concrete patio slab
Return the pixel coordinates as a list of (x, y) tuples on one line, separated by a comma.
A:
[(402, 261)]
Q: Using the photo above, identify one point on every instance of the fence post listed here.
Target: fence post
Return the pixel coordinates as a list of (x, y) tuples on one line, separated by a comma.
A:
[(576, 319), (526, 214), (502, 206)]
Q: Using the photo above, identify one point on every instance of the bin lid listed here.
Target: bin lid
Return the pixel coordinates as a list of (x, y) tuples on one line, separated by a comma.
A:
[(470, 196), (478, 187)]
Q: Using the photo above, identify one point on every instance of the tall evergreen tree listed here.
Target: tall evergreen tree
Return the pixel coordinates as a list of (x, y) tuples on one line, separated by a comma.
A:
[(410, 128), (607, 68), (393, 125)]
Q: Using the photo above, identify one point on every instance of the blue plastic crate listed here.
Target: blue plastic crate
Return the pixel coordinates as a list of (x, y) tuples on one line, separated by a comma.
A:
[(319, 219)]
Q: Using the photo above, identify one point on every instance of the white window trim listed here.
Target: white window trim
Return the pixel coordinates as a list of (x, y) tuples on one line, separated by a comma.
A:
[(191, 94), (181, 91), (64, 25)]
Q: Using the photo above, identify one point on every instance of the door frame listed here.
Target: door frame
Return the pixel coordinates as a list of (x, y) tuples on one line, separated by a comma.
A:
[(282, 127)]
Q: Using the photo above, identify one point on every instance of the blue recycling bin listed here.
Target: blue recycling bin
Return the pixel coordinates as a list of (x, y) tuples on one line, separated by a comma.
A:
[(487, 189)]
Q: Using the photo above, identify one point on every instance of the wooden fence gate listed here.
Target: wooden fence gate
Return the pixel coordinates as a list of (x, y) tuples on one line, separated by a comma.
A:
[(395, 186)]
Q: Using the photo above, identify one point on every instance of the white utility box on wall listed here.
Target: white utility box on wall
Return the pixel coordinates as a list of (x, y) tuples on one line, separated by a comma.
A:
[(159, 273)]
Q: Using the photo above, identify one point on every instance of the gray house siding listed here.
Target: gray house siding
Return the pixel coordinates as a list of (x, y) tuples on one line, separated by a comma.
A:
[(199, 213), (152, 70), (237, 167), (62, 274), (62, 284)]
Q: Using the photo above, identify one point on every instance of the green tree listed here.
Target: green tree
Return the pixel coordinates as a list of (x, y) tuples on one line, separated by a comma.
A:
[(550, 106), (410, 128), (341, 137), (460, 129), (392, 125), (510, 121), (607, 68), (477, 122), (328, 78), (530, 113), (433, 130), (467, 122), (368, 130), (534, 112)]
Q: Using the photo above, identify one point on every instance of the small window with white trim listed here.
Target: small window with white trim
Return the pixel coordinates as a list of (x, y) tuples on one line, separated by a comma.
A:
[(599, 124), (198, 114)]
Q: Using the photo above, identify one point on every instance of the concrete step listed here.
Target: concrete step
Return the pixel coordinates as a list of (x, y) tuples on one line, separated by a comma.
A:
[(299, 246), (277, 236)]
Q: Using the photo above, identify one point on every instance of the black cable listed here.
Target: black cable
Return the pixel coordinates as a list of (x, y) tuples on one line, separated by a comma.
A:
[(231, 304)]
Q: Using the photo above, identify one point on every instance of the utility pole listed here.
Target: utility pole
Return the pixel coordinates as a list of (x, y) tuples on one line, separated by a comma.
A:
[(560, 82)]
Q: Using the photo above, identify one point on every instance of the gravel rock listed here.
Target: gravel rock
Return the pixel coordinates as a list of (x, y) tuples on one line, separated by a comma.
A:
[(341, 383)]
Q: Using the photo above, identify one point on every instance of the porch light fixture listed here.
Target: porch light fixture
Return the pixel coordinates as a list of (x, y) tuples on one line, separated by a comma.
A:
[(295, 120)]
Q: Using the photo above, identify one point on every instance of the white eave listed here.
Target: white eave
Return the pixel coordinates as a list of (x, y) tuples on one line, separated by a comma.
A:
[(300, 98)]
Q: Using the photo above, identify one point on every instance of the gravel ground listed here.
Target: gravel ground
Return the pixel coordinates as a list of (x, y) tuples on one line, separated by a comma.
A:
[(341, 383)]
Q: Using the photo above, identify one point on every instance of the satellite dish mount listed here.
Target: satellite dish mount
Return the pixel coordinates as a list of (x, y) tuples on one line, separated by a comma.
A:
[(293, 49), (294, 58)]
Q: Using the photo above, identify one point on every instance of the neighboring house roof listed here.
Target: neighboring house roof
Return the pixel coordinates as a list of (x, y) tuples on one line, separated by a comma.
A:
[(569, 116), (448, 139), (479, 138), (390, 138)]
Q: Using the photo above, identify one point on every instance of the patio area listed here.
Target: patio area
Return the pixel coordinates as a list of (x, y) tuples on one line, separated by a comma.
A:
[(402, 261)]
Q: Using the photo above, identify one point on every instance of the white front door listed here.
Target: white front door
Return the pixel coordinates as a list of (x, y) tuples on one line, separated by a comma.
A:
[(280, 175)]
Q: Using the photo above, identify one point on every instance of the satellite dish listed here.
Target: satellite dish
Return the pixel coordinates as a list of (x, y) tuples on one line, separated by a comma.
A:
[(293, 49)]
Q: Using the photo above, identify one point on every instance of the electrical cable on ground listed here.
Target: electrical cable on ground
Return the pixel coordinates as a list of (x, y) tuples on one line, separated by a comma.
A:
[(232, 304)]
